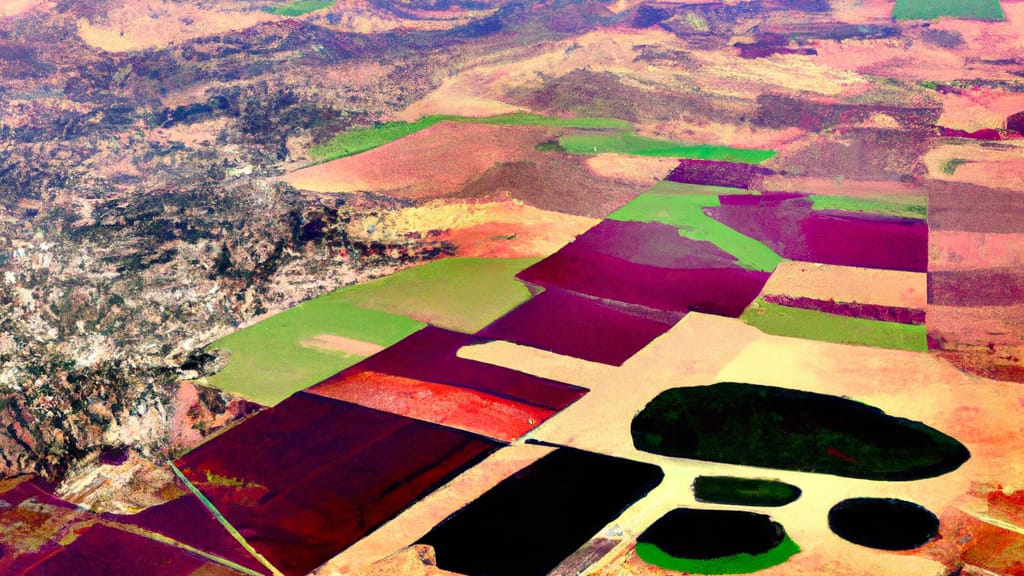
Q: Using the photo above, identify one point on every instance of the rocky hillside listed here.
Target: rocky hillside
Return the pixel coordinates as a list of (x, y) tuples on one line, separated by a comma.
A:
[(140, 215)]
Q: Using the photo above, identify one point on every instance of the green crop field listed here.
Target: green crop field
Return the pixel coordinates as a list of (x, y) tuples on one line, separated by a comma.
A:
[(686, 212), (931, 9), (625, 142), (463, 294), (915, 207), (269, 361), (814, 325), (300, 7)]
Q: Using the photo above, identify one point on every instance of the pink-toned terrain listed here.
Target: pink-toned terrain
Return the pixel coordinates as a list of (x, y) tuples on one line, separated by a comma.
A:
[(157, 191)]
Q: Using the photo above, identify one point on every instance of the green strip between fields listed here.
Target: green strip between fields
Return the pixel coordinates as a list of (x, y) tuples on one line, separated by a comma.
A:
[(300, 7), (685, 189), (915, 207), (625, 142), (931, 9), (224, 521), (815, 325), (686, 213)]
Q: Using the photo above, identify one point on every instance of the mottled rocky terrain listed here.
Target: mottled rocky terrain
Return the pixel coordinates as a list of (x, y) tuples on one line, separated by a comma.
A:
[(140, 215)]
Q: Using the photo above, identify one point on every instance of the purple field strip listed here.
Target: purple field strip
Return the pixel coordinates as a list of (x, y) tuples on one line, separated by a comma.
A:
[(986, 287), (650, 244), (761, 199), (722, 291), (430, 355), (309, 477), (103, 551), (575, 326), (789, 226), (712, 173), (187, 520), (983, 134), (835, 237), (851, 309)]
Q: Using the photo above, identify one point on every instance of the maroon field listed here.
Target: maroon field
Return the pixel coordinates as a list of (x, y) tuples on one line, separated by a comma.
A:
[(561, 322), (306, 479)]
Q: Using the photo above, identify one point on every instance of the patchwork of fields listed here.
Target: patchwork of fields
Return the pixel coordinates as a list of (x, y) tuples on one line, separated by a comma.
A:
[(647, 345)]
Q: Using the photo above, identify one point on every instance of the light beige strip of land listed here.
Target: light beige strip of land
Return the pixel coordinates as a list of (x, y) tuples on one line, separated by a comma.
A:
[(849, 284), (336, 343), (959, 250)]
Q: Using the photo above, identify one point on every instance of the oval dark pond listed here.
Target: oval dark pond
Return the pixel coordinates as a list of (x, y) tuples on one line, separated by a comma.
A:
[(774, 427), (883, 523), (744, 491)]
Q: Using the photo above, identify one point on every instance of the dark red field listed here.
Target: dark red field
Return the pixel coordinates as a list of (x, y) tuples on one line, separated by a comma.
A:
[(306, 479), (723, 291), (105, 551), (561, 322)]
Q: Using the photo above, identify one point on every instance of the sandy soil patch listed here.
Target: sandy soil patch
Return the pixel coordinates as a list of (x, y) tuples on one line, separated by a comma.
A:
[(638, 169), (957, 250), (142, 24), (724, 74), (603, 50), (997, 174), (979, 108), (198, 133), (892, 59), (862, 11), (341, 344), (125, 488), (16, 7), (840, 186), (457, 98), (723, 134), (979, 325), (991, 40), (998, 166), (848, 284), (500, 229)]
